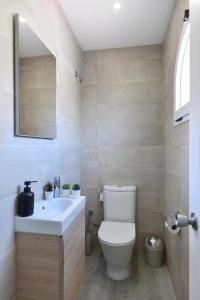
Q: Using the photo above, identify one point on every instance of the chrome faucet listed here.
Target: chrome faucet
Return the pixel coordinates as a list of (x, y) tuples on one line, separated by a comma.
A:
[(56, 184)]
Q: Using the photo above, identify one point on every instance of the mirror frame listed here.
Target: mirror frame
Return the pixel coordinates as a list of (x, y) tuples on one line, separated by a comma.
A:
[(16, 84)]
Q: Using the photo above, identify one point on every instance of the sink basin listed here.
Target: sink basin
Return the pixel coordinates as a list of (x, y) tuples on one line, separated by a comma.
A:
[(51, 216), (51, 209)]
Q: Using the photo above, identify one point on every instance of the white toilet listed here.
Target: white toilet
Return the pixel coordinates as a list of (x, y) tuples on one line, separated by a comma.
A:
[(117, 232)]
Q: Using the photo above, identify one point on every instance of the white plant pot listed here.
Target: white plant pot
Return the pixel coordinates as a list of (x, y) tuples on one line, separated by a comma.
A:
[(66, 193), (76, 194), (48, 195)]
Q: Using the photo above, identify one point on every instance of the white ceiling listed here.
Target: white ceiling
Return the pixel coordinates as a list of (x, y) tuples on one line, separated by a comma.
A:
[(30, 44), (138, 22)]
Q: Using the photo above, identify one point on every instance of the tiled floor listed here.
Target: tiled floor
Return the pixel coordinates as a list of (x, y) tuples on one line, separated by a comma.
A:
[(145, 283)]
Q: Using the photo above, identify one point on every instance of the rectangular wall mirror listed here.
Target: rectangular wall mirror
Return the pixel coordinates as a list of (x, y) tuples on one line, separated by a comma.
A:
[(35, 84)]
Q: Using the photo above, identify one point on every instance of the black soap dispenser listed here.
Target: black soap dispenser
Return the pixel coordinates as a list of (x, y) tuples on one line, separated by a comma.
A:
[(26, 201)]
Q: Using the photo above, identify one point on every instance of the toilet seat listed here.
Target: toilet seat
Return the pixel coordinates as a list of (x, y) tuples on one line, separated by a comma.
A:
[(117, 233)]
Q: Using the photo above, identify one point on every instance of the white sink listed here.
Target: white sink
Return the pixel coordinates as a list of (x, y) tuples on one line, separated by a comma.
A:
[(51, 216)]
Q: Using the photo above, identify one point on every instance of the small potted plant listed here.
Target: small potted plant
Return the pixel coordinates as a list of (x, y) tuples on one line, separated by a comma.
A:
[(66, 190), (76, 191), (48, 190)]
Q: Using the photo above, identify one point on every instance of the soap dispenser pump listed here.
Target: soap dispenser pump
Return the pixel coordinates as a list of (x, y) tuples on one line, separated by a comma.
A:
[(26, 201)]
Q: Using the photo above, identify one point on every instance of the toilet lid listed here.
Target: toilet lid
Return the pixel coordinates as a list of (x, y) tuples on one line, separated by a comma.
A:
[(117, 233)]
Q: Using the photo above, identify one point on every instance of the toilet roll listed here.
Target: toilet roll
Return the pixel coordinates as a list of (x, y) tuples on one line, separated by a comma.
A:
[(172, 224)]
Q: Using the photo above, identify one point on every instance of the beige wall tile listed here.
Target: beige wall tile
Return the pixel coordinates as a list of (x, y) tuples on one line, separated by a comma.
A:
[(171, 193), (7, 276), (89, 137), (22, 158), (129, 93), (149, 157), (149, 222), (138, 114), (6, 65), (172, 160), (141, 177), (70, 159), (67, 79), (132, 53), (22, 163), (90, 74), (90, 177), (6, 124), (68, 132), (89, 157), (108, 56), (68, 106), (7, 213), (149, 201), (90, 58), (141, 70), (122, 126), (89, 95), (89, 116), (184, 133), (129, 135), (176, 160), (92, 197)]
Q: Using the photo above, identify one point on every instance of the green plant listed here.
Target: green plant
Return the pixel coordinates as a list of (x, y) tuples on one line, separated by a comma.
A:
[(49, 187), (76, 187), (66, 186)]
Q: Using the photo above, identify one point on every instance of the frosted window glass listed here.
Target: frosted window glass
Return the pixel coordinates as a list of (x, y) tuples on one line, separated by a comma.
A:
[(185, 76), (182, 79)]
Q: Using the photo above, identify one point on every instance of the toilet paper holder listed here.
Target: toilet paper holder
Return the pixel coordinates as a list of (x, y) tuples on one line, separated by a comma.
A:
[(185, 221), (175, 222)]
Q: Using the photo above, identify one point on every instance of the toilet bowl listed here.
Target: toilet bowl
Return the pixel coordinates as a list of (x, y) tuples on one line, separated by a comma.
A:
[(117, 241)]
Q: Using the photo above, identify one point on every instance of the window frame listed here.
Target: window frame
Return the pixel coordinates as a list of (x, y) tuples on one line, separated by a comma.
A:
[(182, 114)]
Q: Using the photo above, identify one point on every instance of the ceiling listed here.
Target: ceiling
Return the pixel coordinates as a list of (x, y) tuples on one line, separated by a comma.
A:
[(138, 22), (29, 43)]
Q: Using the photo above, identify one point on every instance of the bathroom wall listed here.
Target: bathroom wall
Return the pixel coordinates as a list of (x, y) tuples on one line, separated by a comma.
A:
[(122, 130), (35, 159), (175, 161), (38, 96)]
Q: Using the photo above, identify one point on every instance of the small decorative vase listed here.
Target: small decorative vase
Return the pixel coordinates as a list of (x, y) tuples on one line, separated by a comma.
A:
[(66, 193), (76, 193), (48, 195)]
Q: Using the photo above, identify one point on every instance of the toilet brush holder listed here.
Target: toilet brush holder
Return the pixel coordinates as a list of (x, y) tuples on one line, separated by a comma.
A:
[(88, 235), (88, 243)]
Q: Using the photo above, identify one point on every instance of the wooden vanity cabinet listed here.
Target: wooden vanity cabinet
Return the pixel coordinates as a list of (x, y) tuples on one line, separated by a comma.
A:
[(51, 267)]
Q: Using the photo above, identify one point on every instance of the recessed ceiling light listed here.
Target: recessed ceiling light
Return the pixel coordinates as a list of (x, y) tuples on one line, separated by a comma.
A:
[(22, 20), (117, 5)]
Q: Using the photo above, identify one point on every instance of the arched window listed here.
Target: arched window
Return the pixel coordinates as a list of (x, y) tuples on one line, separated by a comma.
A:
[(182, 76)]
